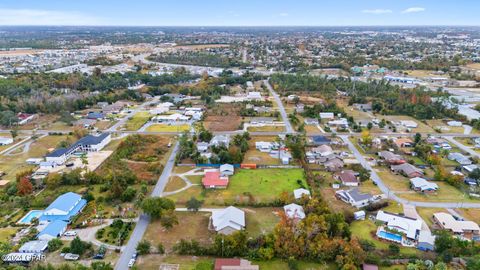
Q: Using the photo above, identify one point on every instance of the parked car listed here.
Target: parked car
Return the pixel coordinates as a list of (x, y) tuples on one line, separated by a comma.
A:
[(70, 233), (71, 257), (131, 263)]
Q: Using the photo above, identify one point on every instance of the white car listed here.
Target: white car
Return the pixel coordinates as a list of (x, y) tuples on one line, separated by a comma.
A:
[(70, 233), (131, 263)]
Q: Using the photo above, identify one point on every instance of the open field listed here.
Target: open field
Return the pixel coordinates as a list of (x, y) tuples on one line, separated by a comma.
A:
[(190, 226), (261, 220), (168, 128), (470, 214), (174, 183), (6, 234), (369, 187), (425, 73), (366, 229), (246, 186), (153, 261), (223, 117), (137, 121), (257, 157), (421, 126)]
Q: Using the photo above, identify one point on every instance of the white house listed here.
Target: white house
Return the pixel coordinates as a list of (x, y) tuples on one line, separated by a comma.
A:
[(228, 220), (5, 141), (227, 169), (220, 140), (406, 225), (422, 185), (327, 115), (355, 198), (89, 143), (37, 246), (294, 211), (300, 192)]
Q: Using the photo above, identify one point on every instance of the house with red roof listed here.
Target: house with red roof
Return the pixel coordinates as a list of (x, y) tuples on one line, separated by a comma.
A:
[(234, 264), (213, 179)]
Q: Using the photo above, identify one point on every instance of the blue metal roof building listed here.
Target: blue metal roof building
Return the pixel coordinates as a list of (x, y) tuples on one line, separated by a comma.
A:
[(64, 207), (53, 230)]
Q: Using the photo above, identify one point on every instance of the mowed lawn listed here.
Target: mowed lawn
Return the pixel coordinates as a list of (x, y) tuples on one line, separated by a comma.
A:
[(191, 226), (247, 186), (366, 229), (137, 121), (168, 128)]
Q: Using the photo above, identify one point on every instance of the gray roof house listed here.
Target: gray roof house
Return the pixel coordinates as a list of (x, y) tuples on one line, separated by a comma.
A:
[(426, 241), (460, 158), (227, 169), (37, 246), (355, 198), (294, 211), (220, 140), (334, 164), (408, 170), (299, 192), (202, 147), (228, 220)]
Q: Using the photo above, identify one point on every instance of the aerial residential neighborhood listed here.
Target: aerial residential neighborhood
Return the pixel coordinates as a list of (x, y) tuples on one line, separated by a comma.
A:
[(240, 135)]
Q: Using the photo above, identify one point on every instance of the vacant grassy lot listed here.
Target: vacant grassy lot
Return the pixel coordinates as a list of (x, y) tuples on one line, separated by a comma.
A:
[(470, 214), (247, 186), (444, 126), (6, 234), (445, 193), (257, 157), (267, 129), (168, 128), (394, 207), (190, 226), (420, 128), (261, 220), (153, 261), (366, 229), (174, 183), (137, 121), (393, 181), (369, 187), (278, 264)]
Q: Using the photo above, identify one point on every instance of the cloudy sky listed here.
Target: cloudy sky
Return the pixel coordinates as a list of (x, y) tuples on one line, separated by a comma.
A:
[(239, 12)]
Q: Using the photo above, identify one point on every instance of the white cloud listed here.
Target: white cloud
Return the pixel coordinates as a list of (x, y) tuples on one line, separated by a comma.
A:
[(413, 10), (45, 17), (283, 14), (377, 11)]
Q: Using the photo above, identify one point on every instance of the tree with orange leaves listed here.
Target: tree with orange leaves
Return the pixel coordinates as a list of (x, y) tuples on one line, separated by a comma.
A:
[(24, 186)]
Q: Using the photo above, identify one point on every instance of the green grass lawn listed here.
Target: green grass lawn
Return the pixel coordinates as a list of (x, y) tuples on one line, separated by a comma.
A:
[(266, 129), (174, 183), (153, 261), (168, 128), (365, 229), (427, 214), (445, 193), (137, 121), (6, 234), (261, 220), (247, 186)]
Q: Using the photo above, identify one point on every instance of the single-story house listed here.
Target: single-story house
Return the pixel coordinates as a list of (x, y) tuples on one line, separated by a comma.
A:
[(460, 158), (95, 115), (391, 158), (5, 141), (422, 185), (300, 192), (355, 198), (363, 107), (227, 169), (410, 227), (265, 147), (53, 230), (403, 142), (409, 123), (334, 164), (213, 179), (470, 168), (228, 220), (341, 123), (202, 147), (310, 121), (36, 246), (234, 264), (294, 211), (359, 215), (220, 140), (85, 123), (323, 150), (426, 241), (407, 170), (467, 229), (64, 207), (327, 115), (348, 178), (89, 143), (470, 181)]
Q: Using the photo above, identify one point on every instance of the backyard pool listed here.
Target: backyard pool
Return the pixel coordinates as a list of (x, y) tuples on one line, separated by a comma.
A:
[(390, 236), (27, 219)]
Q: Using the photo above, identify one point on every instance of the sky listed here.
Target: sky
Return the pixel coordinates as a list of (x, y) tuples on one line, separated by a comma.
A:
[(239, 12)]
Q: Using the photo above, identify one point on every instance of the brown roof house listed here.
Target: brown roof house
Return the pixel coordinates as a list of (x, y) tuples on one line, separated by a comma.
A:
[(407, 170), (391, 158), (234, 264), (348, 178), (334, 164)]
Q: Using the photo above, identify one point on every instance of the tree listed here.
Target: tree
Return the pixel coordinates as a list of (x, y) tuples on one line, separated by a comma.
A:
[(160, 248), (366, 137), (418, 138), (78, 246), (193, 204), (156, 206), (24, 186), (143, 247), (472, 263), (54, 244), (169, 219), (393, 249), (14, 133)]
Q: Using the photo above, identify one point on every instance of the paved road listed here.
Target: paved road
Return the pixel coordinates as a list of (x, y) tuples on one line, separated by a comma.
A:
[(462, 146), (391, 194), (142, 224), (11, 148), (139, 108), (283, 113)]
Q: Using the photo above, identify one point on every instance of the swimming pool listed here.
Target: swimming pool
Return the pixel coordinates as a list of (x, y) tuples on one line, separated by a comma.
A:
[(390, 236), (27, 219)]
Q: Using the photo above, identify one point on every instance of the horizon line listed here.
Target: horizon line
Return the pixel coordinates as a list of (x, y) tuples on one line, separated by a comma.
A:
[(252, 26)]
